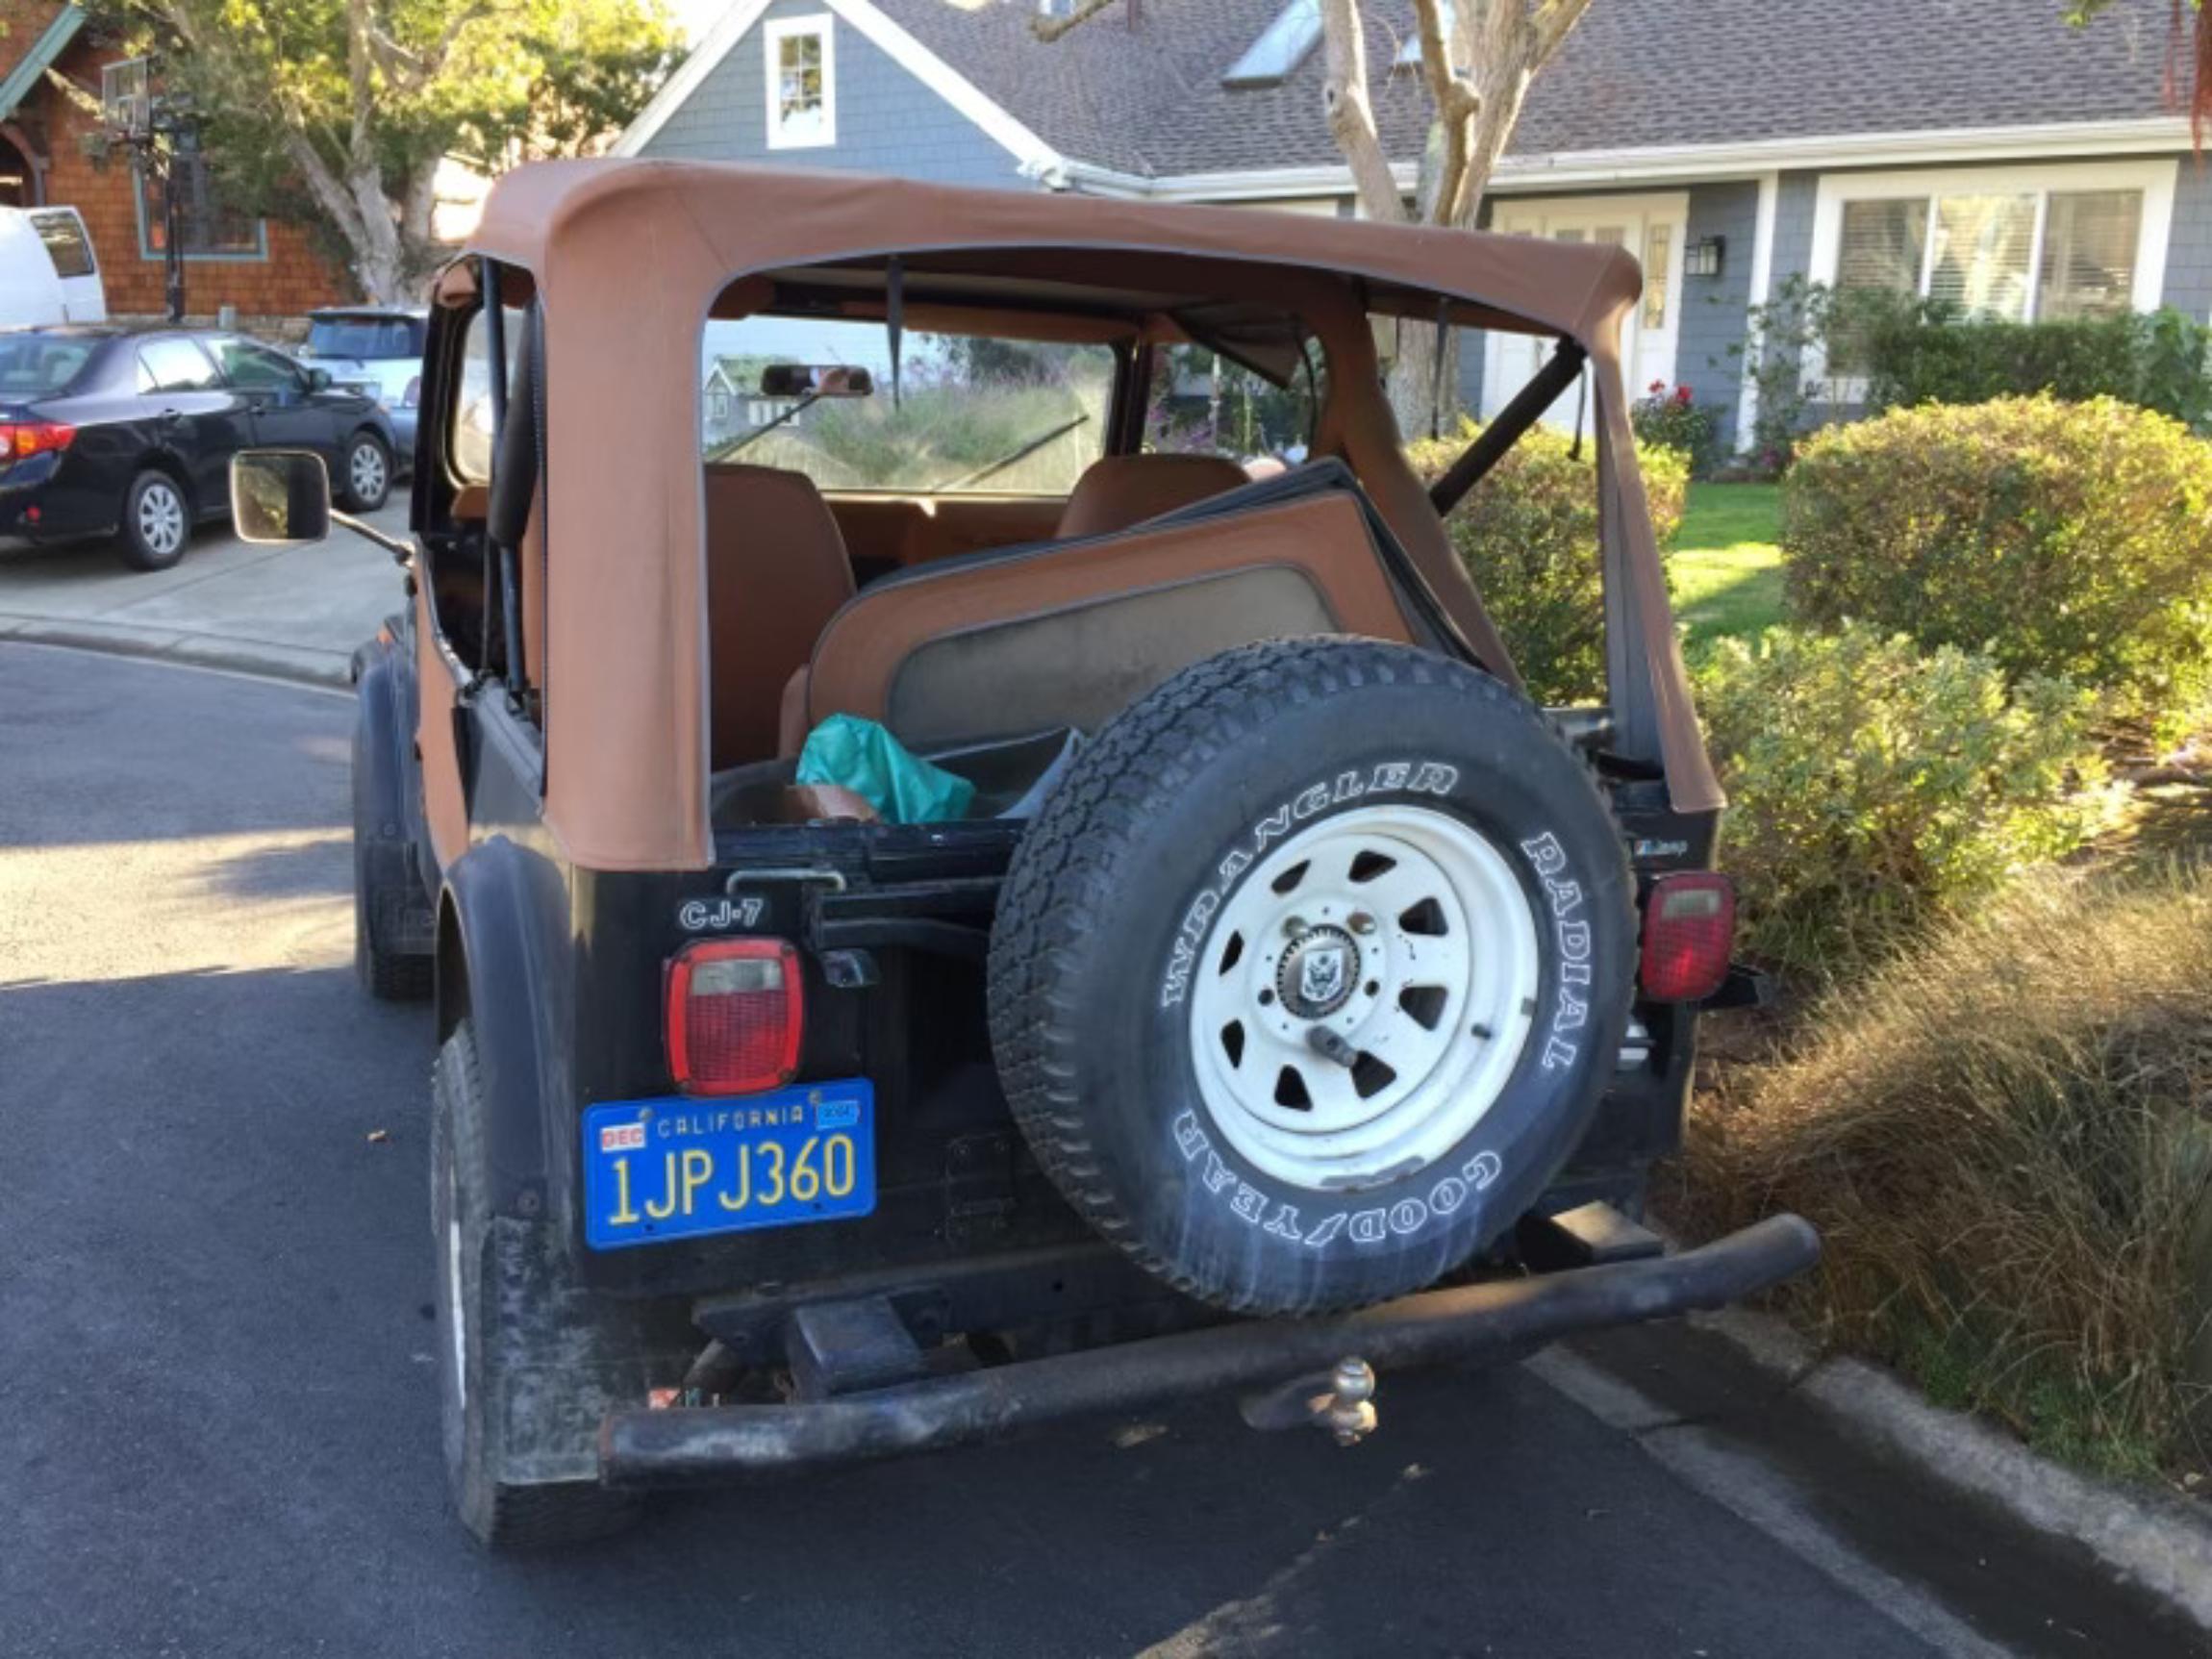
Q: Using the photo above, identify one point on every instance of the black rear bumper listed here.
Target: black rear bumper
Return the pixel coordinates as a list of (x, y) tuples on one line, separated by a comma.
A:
[(1490, 1323)]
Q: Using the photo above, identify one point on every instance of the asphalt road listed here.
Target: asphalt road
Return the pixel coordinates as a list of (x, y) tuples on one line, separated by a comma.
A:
[(218, 1412)]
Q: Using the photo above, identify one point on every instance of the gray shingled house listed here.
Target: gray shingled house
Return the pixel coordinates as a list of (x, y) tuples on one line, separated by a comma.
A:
[(1976, 150)]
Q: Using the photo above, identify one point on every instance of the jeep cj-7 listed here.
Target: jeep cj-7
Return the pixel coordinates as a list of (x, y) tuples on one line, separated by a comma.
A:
[(1219, 979)]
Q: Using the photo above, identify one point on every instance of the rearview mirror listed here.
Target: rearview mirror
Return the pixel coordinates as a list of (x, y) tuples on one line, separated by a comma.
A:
[(319, 380), (815, 380), (280, 496)]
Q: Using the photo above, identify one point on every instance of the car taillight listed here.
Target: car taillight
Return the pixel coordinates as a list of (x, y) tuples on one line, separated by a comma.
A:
[(736, 1011), (1689, 930), (22, 438), (413, 395)]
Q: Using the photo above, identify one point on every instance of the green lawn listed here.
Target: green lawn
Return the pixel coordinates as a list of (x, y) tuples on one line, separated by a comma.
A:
[(1727, 561)]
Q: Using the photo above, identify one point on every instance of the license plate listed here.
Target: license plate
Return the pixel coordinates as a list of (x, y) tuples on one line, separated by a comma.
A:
[(678, 1168)]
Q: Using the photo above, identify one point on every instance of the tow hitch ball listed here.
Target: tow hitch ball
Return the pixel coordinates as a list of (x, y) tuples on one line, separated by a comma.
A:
[(1341, 1402)]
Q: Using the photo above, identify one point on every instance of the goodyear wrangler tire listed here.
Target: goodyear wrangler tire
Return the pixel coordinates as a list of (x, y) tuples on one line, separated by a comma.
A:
[(1312, 971)]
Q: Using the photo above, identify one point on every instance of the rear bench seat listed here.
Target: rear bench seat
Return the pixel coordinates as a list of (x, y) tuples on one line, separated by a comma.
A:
[(1069, 631)]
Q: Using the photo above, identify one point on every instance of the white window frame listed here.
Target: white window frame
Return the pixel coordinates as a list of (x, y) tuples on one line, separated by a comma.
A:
[(772, 37), (2155, 179)]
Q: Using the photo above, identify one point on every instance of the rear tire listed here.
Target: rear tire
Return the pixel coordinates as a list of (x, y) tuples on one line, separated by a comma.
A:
[(157, 524), (475, 1385), (365, 474)]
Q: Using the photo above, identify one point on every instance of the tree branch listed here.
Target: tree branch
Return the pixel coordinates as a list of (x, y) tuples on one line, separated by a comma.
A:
[(1050, 29), (1351, 114), (1455, 103)]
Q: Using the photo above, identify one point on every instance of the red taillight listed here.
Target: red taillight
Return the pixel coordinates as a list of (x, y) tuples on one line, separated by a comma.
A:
[(19, 439), (1689, 929), (736, 1011)]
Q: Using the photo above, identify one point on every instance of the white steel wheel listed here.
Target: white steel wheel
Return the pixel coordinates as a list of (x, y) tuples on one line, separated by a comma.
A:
[(1364, 998)]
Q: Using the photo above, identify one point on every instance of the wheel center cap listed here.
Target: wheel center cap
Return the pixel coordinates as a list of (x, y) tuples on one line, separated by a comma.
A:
[(1316, 973)]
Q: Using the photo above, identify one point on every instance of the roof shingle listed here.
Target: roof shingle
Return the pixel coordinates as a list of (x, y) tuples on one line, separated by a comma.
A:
[(1145, 97)]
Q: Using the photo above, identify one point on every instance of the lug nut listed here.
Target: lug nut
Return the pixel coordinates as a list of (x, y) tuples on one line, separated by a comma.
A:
[(1293, 927), (1362, 922)]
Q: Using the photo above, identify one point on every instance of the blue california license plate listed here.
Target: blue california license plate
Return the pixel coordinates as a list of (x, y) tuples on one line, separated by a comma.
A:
[(678, 1168)]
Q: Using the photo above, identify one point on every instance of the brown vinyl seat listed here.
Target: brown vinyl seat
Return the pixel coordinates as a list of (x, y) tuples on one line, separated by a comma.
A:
[(1119, 491), (776, 573), (1067, 633)]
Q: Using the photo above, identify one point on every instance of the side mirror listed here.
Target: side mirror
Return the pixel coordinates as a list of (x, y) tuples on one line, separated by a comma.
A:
[(280, 496), (318, 379)]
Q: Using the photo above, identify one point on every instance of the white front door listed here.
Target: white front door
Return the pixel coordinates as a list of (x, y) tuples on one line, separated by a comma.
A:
[(1650, 227)]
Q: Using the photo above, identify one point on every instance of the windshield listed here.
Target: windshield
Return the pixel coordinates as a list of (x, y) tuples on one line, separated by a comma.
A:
[(364, 336), (40, 366), (969, 416)]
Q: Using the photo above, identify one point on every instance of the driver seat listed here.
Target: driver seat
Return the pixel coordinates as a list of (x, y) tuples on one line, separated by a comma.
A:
[(776, 573)]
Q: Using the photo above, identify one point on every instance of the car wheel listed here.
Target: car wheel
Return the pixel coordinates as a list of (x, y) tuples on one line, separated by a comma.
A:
[(367, 473), (1311, 972), (482, 1386), (157, 521)]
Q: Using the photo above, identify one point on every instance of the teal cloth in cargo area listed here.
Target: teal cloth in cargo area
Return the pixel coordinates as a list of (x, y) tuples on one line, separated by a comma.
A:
[(860, 756)]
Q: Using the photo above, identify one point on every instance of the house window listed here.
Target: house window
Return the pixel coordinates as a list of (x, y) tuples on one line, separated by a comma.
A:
[(802, 82), (210, 228), (1658, 270), (2002, 246)]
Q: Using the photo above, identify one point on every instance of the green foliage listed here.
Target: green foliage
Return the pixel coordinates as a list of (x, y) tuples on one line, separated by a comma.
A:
[(1914, 352), (2070, 540), (350, 105), (1783, 339), (1669, 417), (1872, 788), (1528, 536), (2001, 1136)]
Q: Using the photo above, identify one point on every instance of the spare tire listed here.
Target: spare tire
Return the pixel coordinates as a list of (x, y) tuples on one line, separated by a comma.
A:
[(1310, 973)]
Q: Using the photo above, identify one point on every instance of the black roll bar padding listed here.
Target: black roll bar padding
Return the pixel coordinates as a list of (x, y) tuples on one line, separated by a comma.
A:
[(1492, 1321), (1513, 421)]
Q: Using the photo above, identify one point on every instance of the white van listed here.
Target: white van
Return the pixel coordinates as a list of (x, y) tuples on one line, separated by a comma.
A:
[(48, 273)]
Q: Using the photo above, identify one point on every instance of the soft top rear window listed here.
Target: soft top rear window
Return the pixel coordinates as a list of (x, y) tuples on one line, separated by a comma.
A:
[(968, 415)]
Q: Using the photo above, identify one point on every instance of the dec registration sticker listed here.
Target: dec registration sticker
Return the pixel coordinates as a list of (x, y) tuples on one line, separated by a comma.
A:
[(679, 1168)]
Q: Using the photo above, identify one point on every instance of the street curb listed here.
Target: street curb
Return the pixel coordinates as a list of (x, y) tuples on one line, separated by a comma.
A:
[(298, 663), (2161, 1544)]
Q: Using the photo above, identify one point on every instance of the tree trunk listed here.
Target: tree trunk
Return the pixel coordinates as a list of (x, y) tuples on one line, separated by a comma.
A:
[(1413, 384)]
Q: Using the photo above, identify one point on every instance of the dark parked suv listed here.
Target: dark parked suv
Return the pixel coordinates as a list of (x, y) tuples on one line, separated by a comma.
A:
[(105, 430)]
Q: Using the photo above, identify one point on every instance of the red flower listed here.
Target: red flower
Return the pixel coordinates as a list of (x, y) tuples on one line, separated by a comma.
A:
[(1657, 388), (1683, 395)]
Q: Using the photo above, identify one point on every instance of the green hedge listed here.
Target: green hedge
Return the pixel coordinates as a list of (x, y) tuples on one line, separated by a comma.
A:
[(1872, 788), (1528, 536), (1919, 352), (2070, 540)]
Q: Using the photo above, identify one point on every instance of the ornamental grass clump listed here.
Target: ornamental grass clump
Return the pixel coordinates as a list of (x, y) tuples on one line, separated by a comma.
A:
[(2005, 1139), (1529, 537), (2070, 540), (1874, 788)]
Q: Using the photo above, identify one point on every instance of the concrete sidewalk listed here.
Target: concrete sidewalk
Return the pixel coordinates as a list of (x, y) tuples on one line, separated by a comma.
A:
[(294, 613)]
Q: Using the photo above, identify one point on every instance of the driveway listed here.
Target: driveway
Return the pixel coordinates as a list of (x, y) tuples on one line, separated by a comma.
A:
[(294, 611), (218, 1428)]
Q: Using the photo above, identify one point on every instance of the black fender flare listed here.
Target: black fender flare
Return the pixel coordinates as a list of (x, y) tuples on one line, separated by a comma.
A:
[(496, 969), (378, 723)]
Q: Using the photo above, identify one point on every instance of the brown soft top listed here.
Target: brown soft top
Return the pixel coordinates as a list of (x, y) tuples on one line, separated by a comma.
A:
[(629, 258)]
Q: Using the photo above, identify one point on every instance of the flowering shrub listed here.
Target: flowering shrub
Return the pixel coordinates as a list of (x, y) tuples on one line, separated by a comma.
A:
[(1871, 787), (1671, 418), (1528, 536), (2061, 538)]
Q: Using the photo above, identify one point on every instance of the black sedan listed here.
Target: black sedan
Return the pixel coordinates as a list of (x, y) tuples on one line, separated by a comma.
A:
[(129, 434)]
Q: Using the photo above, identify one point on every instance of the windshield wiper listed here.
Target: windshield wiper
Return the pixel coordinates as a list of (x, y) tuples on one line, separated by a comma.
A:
[(1005, 461)]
